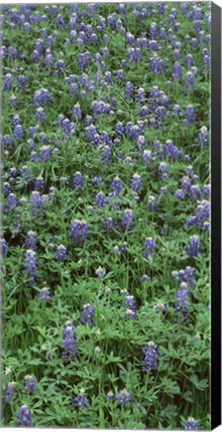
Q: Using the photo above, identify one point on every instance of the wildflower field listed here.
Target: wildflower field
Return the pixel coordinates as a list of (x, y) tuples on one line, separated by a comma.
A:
[(105, 215)]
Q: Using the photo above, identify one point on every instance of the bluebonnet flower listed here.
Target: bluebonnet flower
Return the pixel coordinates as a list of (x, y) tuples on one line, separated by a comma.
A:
[(3, 247), (194, 246), (145, 278), (44, 153), (136, 182), (82, 400), (206, 191), (116, 250), (177, 71), (128, 90), (130, 305), (116, 186), (123, 397), (78, 230), (127, 221), (11, 201), (163, 171), (8, 82), (69, 344), (189, 81), (39, 183), (100, 272), (189, 61), (24, 417), (147, 157), (191, 424), (61, 253), (76, 112), (87, 315), (152, 203), (187, 275), (108, 224), (189, 115), (13, 101), (9, 391), (100, 199), (31, 240), (96, 181), (44, 294), (40, 114), (171, 151), (149, 246), (150, 361), (36, 200), (18, 132), (179, 194), (41, 97), (77, 181), (110, 396), (182, 302), (30, 265), (60, 21), (30, 384), (84, 59), (203, 136), (161, 307), (106, 154)]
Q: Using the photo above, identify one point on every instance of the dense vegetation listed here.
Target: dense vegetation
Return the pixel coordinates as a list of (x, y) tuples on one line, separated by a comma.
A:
[(105, 198)]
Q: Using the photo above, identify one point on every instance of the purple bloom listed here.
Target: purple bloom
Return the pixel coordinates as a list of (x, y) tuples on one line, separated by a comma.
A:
[(152, 203), (18, 132), (123, 397), (100, 200), (77, 181), (189, 115), (30, 384), (11, 201), (194, 246), (87, 315), (108, 224), (163, 171), (100, 272), (8, 82), (69, 342), (39, 183), (130, 305), (44, 294), (136, 182), (149, 246), (127, 221), (82, 400), (31, 240), (3, 247), (61, 253), (24, 417), (116, 186), (41, 97), (44, 153), (203, 136), (177, 71), (36, 200), (9, 391), (76, 112), (182, 302), (30, 265), (78, 230), (150, 361), (191, 424), (40, 114)]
